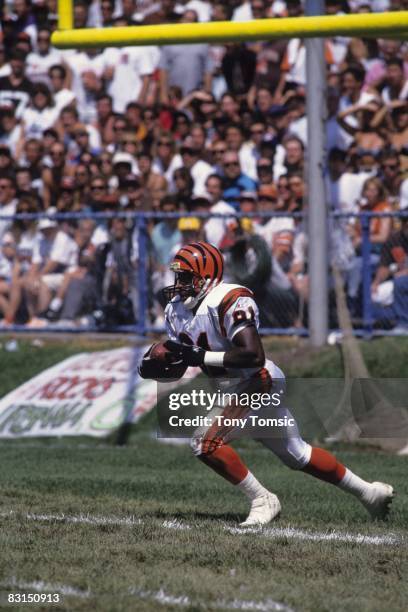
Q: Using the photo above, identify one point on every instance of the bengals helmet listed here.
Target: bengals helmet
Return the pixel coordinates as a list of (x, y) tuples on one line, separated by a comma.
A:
[(198, 268)]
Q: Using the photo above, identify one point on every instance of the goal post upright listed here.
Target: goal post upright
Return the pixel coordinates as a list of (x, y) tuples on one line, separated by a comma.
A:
[(65, 15)]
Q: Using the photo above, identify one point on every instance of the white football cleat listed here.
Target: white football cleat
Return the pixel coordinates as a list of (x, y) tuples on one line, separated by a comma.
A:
[(263, 510), (377, 499)]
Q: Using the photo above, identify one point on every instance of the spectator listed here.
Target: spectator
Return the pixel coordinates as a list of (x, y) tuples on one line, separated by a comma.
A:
[(184, 185), (153, 183), (57, 76), (268, 203), (8, 255), (133, 65), (165, 234), (41, 114), (199, 169), (16, 88), (373, 200), (186, 66), (214, 229), (54, 253), (389, 288), (6, 161), (12, 132), (264, 171), (8, 201), (234, 180), (396, 85), (39, 62), (392, 177)]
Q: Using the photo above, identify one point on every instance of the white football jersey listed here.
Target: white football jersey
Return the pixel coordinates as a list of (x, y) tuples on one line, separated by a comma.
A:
[(226, 310)]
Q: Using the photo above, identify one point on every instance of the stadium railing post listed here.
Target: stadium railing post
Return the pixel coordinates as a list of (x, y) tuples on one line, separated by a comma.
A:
[(366, 256), (142, 273)]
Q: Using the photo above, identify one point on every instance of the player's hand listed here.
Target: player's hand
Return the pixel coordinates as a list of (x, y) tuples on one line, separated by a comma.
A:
[(189, 355)]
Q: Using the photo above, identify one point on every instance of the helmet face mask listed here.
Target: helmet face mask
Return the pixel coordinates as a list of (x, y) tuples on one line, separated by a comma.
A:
[(186, 285), (198, 267)]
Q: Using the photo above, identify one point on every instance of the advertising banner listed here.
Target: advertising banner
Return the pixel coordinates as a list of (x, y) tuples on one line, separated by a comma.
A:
[(87, 394)]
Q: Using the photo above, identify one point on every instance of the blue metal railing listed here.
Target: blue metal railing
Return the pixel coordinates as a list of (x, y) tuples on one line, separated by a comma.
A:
[(141, 222)]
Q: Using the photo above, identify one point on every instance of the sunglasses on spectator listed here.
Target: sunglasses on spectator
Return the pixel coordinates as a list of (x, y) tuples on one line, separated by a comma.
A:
[(233, 163), (219, 151), (97, 187), (264, 168), (390, 166), (81, 134), (188, 151)]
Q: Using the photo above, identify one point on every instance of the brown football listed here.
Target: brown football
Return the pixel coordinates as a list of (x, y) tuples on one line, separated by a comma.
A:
[(158, 351), (163, 369)]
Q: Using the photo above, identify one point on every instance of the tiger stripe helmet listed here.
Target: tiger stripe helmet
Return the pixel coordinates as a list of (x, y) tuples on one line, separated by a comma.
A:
[(206, 265)]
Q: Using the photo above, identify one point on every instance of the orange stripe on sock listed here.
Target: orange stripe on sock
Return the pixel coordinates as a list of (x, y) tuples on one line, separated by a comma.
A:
[(324, 465)]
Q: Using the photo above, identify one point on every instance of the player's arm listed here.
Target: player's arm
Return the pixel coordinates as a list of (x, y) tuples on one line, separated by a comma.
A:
[(247, 353)]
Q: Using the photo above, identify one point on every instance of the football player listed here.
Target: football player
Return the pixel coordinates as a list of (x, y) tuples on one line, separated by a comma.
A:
[(214, 325)]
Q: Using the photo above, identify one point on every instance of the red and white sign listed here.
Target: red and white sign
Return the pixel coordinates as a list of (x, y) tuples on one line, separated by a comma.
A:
[(88, 394)]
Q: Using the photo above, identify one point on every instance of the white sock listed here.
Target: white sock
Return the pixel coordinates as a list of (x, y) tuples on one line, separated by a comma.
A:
[(354, 484), (251, 487), (56, 304)]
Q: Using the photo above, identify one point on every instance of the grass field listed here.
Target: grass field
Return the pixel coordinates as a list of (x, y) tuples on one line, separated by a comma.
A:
[(147, 527)]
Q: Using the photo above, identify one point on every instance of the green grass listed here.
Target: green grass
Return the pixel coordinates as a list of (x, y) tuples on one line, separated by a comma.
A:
[(157, 482)]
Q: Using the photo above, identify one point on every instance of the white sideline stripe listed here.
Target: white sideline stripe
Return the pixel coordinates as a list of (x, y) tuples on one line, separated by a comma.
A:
[(271, 532), (290, 532), (42, 587), (161, 597)]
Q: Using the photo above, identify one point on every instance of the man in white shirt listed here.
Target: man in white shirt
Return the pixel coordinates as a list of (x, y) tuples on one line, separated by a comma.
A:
[(216, 227), (268, 202), (203, 9), (129, 70), (38, 63), (55, 253), (199, 169)]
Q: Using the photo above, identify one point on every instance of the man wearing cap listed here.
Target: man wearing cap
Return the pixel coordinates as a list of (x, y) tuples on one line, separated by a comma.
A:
[(55, 253), (268, 203)]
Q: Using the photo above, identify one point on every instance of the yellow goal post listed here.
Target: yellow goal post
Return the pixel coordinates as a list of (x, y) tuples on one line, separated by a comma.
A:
[(385, 25)]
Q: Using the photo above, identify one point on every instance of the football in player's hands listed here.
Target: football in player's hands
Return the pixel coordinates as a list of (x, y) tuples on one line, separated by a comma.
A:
[(160, 352), (160, 363), (187, 354)]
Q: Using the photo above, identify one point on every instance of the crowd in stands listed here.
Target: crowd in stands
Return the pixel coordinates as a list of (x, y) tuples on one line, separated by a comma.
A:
[(192, 129)]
